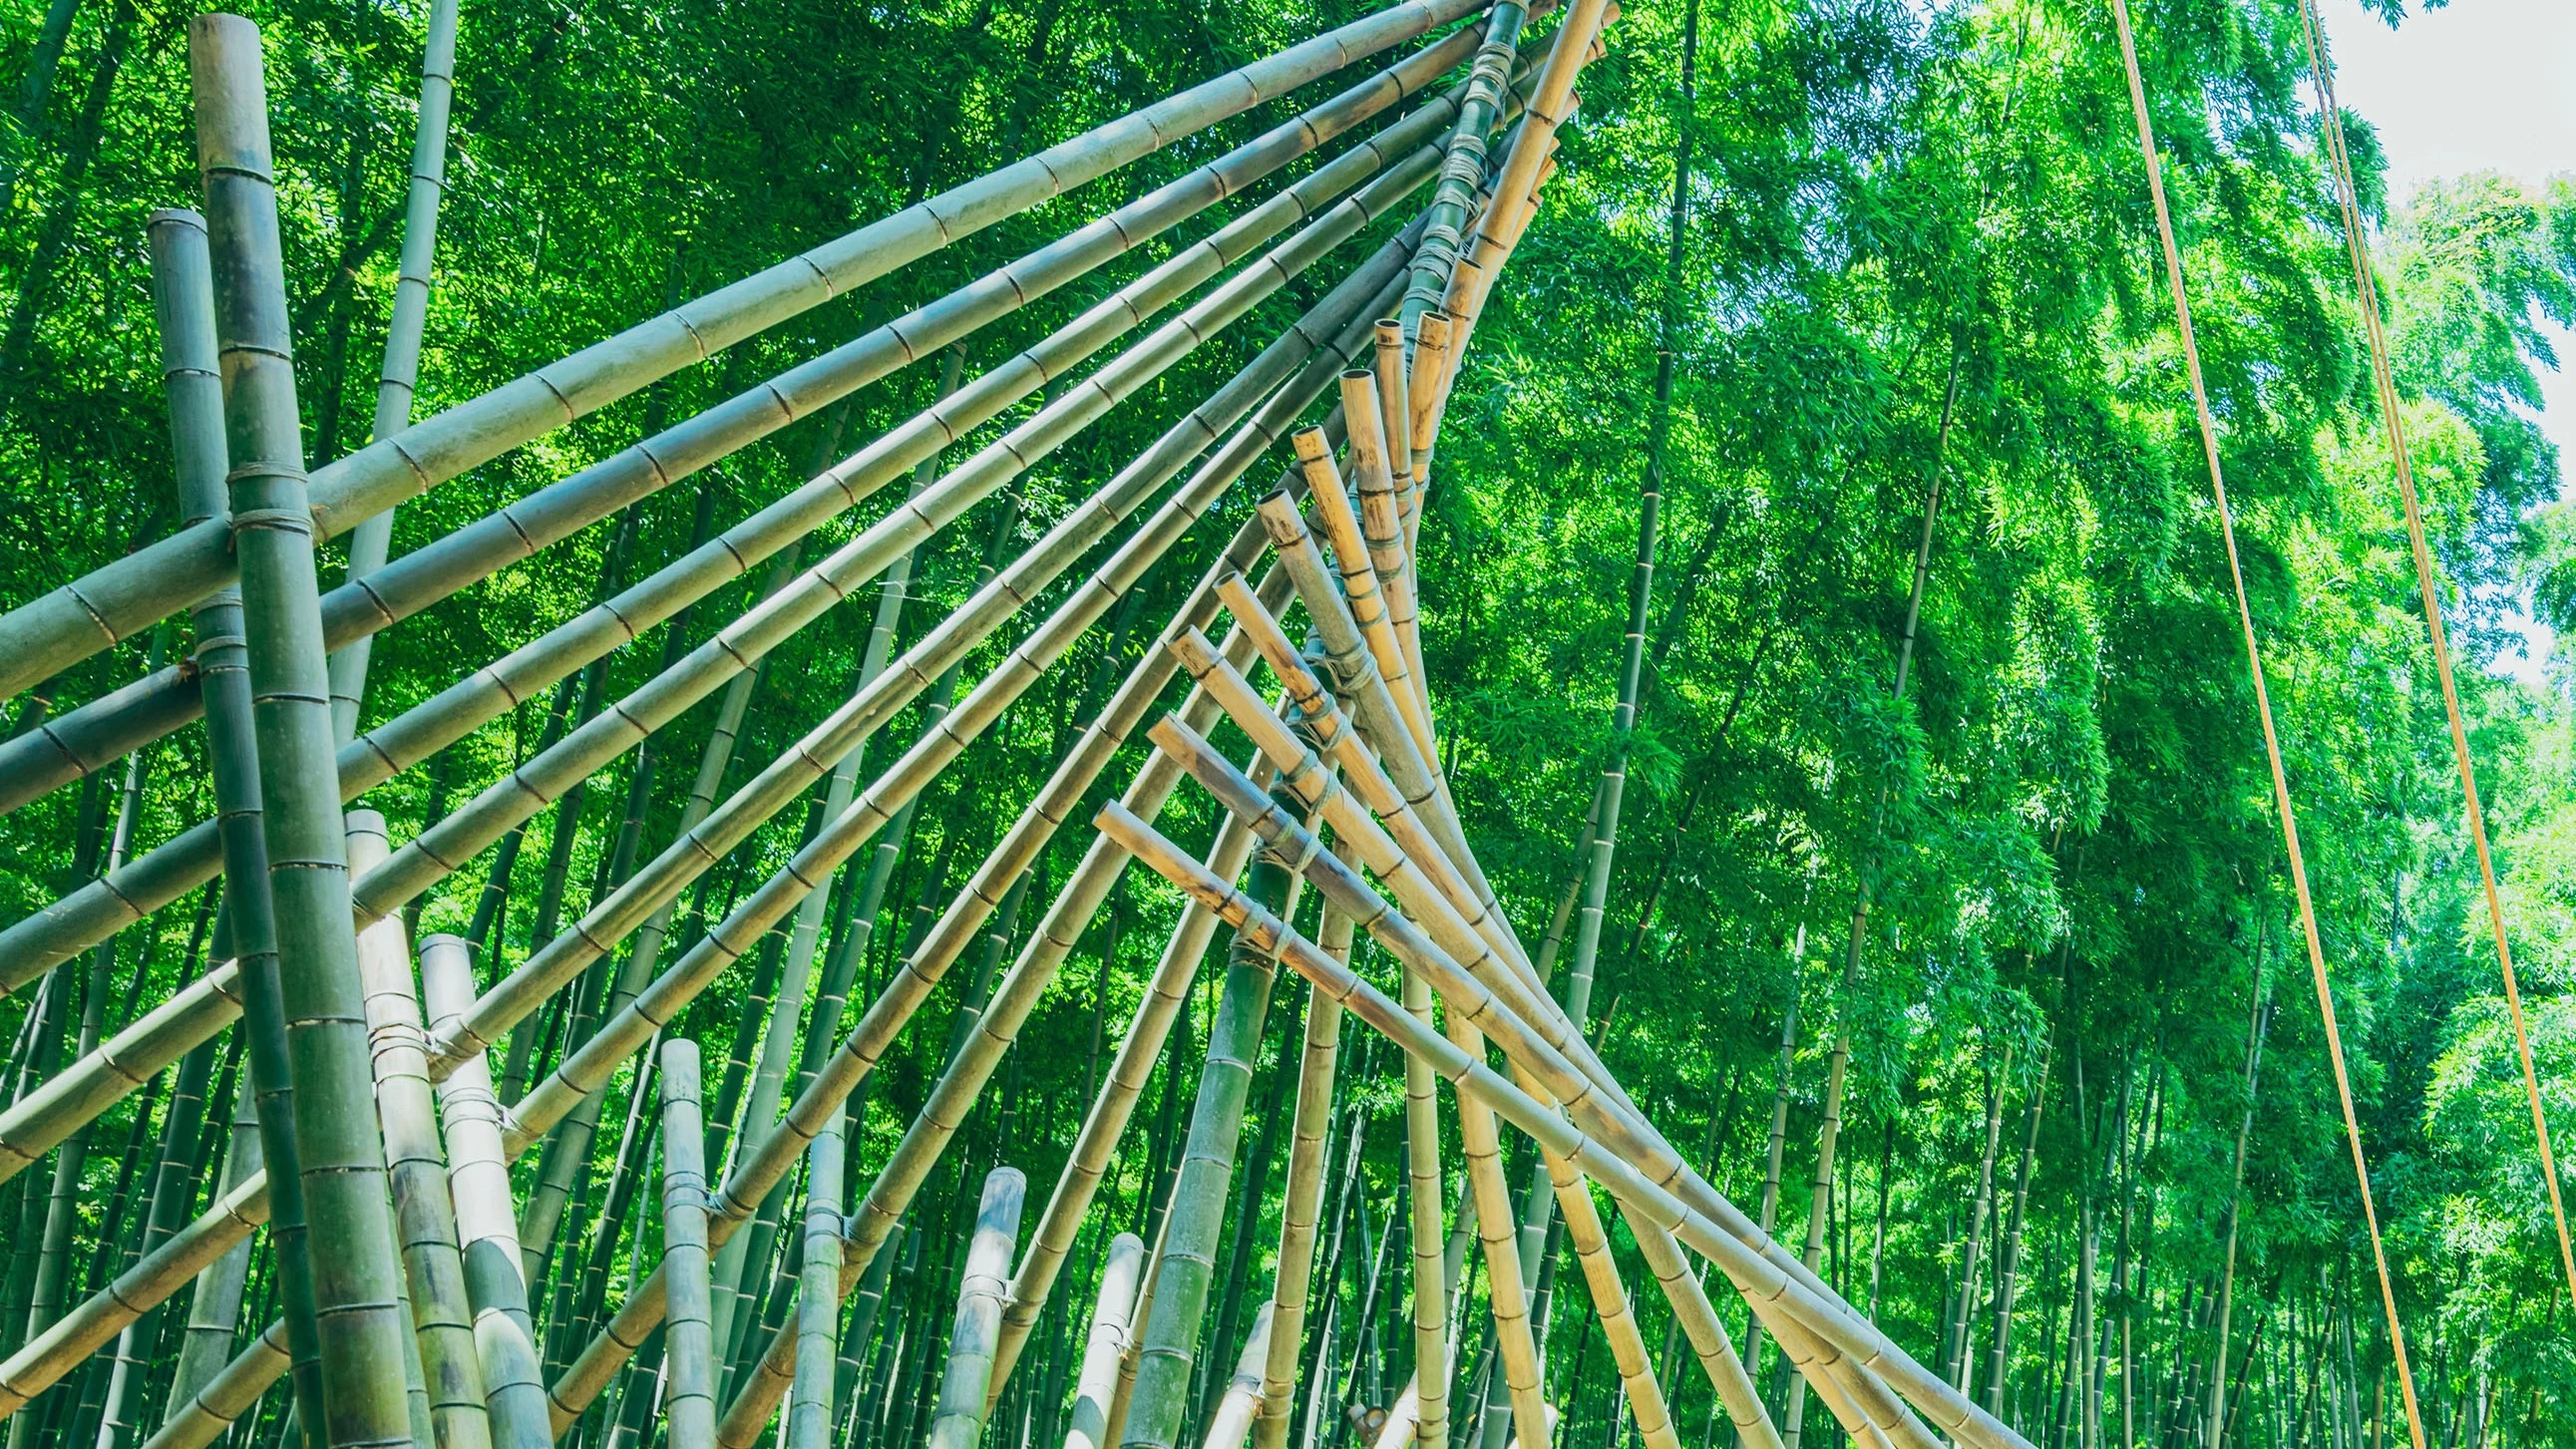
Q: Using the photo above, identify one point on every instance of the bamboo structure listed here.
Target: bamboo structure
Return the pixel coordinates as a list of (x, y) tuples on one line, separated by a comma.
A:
[(810, 1265)]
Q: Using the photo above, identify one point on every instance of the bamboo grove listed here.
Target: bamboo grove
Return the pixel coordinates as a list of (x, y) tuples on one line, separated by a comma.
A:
[(1335, 726)]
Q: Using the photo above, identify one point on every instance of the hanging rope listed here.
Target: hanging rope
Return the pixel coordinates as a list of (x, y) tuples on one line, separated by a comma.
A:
[(2263, 706), (2386, 379)]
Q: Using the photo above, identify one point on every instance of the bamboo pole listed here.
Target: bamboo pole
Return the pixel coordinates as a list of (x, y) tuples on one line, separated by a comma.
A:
[(1230, 1424), (689, 1351), (959, 1420), (89, 737), (41, 638), (424, 1204), (478, 1175), (1111, 1313), (356, 1394), (1462, 169), (818, 1298), (230, 1394), (1312, 1126), (371, 539)]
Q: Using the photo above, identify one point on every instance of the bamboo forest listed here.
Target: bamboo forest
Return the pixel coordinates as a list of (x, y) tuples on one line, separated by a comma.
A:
[(1315, 724)]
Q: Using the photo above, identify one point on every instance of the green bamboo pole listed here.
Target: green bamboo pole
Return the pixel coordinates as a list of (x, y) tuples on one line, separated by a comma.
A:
[(690, 1400), (184, 306), (1312, 1126), (172, 1190), (28, 946), (959, 1421), (357, 1394), (370, 541), (1708, 1340), (424, 1205), (478, 1175), (1462, 170), (869, 1042), (41, 638), (818, 1300), (233, 1392), (1102, 1347)]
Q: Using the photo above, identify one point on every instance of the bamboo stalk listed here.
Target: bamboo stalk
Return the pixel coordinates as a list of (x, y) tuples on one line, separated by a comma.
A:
[(1312, 1125), (1107, 1341), (227, 1396), (689, 1338), (487, 1235), (424, 1205), (1231, 1422), (43, 637), (28, 946), (818, 1299), (959, 1420), (1708, 1339), (370, 540), (1462, 169), (356, 1391)]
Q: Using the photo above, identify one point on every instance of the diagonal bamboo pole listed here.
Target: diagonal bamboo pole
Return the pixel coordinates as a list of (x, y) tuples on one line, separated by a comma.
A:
[(93, 735), (1101, 1348), (41, 638), (1231, 1421)]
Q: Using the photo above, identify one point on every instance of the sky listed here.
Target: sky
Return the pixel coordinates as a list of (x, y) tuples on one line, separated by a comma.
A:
[(2477, 85)]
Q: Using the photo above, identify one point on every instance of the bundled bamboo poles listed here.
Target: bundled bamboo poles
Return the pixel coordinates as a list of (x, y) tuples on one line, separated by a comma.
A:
[(112, 603)]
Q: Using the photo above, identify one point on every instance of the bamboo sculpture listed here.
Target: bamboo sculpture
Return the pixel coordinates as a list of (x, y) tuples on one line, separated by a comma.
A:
[(378, 1151)]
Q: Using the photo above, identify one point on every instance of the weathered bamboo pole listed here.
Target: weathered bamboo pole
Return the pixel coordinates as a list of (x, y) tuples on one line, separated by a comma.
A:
[(1605, 1160), (487, 1234), (372, 538), (356, 1394), (424, 1204), (87, 738), (869, 1042), (1230, 1423), (111, 603), (1462, 168), (958, 1422), (689, 1352), (1112, 1311), (818, 1298), (1292, 1281)]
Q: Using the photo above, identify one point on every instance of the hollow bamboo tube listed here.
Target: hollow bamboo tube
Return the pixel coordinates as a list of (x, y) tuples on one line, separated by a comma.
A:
[(355, 1392), (424, 1209), (1382, 523), (1231, 1422), (1367, 604), (688, 1348), (1110, 1315), (818, 1297), (866, 1044), (1756, 1264), (959, 1419), (1299, 1205), (97, 733), (487, 1231), (369, 541), (41, 638), (1395, 415), (1423, 388), (32, 945)]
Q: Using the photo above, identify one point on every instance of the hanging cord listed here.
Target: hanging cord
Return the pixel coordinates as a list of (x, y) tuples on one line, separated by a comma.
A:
[(2263, 706), (2386, 378)]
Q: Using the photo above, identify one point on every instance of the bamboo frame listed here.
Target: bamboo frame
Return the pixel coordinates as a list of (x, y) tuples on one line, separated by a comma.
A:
[(111, 603)]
